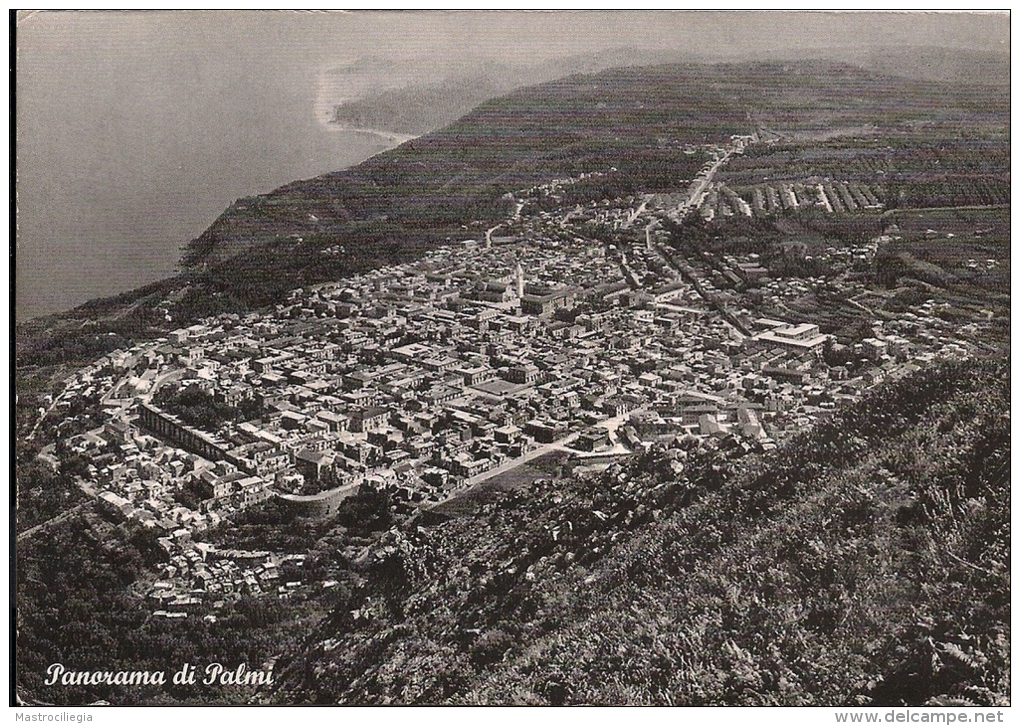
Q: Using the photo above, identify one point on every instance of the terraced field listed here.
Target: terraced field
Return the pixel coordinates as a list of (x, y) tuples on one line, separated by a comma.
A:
[(760, 200)]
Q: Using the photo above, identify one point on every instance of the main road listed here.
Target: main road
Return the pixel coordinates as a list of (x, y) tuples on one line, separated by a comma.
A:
[(610, 424), (697, 194)]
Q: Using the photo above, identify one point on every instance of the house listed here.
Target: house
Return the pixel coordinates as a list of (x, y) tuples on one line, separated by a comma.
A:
[(495, 291), (313, 464), (873, 348), (591, 440), (335, 421), (115, 506), (616, 406), (547, 302), (525, 373), (369, 419), (543, 431), (803, 337), (291, 420), (506, 434)]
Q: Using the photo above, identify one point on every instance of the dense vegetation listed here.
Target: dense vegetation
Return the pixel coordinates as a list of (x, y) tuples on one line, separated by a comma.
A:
[(452, 183), (79, 603), (200, 409), (865, 563), (418, 109), (619, 118), (43, 493)]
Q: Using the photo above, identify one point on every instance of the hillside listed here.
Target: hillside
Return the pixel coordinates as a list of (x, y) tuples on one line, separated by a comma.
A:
[(620, 118), (940, 64), (433, 100), (429, 94), (866, 562)]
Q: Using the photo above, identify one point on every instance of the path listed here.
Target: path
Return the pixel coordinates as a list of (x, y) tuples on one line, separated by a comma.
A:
[(47, 412), (511, 464), (611, 424), (53, 520)]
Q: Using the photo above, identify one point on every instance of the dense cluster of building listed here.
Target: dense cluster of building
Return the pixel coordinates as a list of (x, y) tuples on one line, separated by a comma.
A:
[(425, 378)]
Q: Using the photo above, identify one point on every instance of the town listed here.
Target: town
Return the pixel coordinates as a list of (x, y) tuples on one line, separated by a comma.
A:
[(425, 379)]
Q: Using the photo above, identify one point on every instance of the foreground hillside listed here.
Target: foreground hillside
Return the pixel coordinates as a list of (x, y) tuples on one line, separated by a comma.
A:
[(866, 562)]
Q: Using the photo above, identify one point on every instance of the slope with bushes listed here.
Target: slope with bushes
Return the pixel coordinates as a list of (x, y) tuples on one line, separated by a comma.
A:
[(867, 562)]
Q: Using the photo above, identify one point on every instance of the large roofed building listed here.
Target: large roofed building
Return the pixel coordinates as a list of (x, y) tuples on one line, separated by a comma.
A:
[(803, 336)]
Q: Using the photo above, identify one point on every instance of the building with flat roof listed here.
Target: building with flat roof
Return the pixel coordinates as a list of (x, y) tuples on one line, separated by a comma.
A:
[(803, 337)]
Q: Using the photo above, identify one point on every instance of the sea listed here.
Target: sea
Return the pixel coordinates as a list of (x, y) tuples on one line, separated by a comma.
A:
[(135, 130), (74, 245)]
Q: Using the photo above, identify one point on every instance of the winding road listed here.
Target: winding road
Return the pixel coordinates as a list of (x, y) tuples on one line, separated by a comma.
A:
[(53, 520)]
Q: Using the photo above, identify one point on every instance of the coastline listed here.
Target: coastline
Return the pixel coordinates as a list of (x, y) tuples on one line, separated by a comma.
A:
[(390, 136)]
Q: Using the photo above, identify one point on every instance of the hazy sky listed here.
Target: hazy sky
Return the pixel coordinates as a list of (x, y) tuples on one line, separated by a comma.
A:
[(136, 129)]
